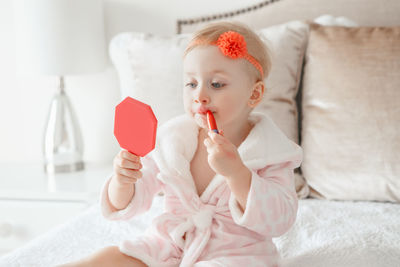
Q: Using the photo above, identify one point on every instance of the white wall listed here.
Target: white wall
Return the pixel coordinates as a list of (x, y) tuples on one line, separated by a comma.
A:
[(24, 101)]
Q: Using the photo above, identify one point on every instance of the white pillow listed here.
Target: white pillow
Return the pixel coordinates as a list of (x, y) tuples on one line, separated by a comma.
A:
[(287, 43), (150, 69), (329, 20)]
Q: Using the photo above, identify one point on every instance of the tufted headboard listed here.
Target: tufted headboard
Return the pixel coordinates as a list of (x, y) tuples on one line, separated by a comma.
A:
[(271, 12)]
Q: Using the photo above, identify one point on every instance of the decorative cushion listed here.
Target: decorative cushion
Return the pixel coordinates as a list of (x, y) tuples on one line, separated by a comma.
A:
[(351, 113), (150, 69)]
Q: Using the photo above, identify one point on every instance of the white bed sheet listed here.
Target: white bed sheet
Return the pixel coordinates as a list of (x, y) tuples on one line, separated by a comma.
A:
[(326, 233)]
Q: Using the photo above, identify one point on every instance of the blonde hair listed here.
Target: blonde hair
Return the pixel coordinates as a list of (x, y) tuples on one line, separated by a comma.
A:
[(255, 46)]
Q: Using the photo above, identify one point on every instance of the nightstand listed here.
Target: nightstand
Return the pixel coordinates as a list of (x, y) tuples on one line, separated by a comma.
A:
[(32, 202)]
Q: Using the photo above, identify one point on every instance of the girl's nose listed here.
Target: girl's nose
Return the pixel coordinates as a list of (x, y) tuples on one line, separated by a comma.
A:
[(202, 100), (202, 96)]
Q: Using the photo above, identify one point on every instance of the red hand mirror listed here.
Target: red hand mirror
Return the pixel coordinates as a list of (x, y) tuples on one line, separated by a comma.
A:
[(135, 126)]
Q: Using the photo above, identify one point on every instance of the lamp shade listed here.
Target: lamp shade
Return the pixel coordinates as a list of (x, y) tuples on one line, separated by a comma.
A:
[(59, 37)]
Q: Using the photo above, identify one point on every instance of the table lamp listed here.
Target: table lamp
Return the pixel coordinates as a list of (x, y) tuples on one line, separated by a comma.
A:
[(60, 38)]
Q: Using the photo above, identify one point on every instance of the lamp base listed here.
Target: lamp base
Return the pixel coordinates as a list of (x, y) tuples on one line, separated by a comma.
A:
[(62, 143), (52, 169)]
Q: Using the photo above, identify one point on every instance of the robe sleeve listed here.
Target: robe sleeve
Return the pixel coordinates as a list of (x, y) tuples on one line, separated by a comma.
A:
[(145, 190), (271, 206)]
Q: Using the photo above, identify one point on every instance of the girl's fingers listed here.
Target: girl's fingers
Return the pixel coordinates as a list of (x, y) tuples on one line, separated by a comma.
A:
[(216, 138), (211, 146), (130, 173), (129, 156), (207, 142), (128, 164)]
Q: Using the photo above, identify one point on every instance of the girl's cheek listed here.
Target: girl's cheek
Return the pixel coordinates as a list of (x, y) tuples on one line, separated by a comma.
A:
[(227, 106), (186, 103)]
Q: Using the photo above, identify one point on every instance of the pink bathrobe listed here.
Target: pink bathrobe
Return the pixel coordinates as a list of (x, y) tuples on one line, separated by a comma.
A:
[(217, 232)]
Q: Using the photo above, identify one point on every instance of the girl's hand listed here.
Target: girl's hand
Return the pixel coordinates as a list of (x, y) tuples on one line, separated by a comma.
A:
[(126, 168), (223, 156)]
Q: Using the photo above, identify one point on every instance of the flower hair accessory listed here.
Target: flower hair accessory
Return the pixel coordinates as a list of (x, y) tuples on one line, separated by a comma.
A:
[(232, 44)]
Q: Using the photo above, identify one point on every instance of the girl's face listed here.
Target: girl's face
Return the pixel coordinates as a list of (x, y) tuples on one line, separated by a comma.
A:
[(215, 82)]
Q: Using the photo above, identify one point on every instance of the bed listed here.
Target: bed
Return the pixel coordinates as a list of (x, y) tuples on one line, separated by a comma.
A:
[(326, 233), (349, 211)]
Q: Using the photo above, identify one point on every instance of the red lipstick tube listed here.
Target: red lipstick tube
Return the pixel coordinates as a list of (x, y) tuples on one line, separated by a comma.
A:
[(211, 122)]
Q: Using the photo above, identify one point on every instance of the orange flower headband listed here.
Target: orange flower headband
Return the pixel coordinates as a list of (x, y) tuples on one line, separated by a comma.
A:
[(233, 45)]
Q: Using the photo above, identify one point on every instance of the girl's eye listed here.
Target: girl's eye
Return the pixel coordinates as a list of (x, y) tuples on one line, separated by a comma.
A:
[(191, 85), (217, 85)]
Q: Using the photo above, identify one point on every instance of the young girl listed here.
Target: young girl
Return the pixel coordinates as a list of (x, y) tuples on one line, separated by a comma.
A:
[(226, 194)]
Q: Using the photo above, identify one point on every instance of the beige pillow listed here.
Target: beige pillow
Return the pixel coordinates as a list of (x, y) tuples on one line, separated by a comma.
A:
[(351, 113)]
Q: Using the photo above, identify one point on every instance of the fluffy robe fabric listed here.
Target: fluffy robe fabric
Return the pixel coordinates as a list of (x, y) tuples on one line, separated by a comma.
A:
[(216, 230)]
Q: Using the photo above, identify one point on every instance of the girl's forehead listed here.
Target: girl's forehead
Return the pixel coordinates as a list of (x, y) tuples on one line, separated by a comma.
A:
[(203, 52), (209, 58)]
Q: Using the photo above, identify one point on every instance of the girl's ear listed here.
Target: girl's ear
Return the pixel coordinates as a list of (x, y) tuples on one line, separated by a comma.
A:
[(257, 94)]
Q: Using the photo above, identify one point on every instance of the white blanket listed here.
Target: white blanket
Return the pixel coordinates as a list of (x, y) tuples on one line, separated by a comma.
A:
[(326, 233)]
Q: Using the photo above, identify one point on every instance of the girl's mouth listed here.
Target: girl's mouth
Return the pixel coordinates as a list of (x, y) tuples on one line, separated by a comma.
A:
[(204, 112)]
